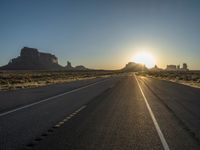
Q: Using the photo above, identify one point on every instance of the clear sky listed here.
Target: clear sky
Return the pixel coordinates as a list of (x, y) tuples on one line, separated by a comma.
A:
[(105, 33)]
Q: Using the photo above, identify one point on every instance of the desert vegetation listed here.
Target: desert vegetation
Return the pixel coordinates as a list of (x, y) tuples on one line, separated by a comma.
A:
[(191, 78), (12, 80)]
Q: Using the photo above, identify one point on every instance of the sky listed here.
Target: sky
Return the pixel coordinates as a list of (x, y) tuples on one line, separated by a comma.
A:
[(103, 34)]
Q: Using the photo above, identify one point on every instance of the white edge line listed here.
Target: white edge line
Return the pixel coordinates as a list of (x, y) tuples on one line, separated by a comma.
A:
[(48, 99), (160, 134)]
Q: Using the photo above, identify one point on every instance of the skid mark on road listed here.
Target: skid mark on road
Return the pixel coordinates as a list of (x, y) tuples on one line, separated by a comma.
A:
[(160, 134)]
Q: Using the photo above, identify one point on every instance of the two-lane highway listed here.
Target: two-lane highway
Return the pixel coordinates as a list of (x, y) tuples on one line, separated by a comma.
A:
[(118, 119), (119, 113), (23, 121), (128, 116)]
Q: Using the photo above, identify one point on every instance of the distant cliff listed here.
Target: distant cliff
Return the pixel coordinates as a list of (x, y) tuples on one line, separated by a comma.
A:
[(32, 59), (132, 66)]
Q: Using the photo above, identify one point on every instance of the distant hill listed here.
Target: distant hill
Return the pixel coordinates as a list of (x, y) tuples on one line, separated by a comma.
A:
[(132, 66), (80, 67), (32, 59)]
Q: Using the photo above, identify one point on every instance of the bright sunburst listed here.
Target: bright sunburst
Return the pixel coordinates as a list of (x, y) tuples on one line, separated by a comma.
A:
[(145, 58)]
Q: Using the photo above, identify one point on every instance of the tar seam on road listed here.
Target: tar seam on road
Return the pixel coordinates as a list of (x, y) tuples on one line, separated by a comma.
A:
[(160, 134), (48, 99)]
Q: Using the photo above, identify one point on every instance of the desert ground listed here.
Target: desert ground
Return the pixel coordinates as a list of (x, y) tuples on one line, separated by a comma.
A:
[(190, 78), (13, 80)]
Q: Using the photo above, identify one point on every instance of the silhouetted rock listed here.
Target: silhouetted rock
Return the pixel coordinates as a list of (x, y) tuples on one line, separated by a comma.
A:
[(132, 66), (155, 68), (80, 68), (69, 66), (32, 59)]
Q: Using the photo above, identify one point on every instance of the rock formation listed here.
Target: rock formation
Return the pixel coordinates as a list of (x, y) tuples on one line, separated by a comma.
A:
[(131, 66), (70, 67), (32, 59), (80, 68)]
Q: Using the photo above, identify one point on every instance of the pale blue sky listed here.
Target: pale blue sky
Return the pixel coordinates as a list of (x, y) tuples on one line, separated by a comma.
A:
[(102, 34)]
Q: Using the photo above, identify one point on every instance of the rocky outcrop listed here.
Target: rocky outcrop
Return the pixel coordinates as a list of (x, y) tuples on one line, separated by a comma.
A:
[(32, 59), (80, 68), (70, 67), (132, 66)]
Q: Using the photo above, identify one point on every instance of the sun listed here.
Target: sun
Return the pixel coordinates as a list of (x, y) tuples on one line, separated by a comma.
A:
[(145, 58)]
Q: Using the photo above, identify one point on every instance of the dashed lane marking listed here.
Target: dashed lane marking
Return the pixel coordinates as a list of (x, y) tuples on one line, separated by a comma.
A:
[(69, 117)]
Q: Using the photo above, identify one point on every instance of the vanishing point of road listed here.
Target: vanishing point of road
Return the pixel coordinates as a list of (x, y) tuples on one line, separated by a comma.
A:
[(123, 112)]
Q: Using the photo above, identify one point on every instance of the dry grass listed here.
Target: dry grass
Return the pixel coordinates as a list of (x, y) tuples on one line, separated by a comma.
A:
[(190, 78), (12, 80)]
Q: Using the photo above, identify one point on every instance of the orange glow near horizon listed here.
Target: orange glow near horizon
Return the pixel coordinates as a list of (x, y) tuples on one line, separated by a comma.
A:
[(145, 58)]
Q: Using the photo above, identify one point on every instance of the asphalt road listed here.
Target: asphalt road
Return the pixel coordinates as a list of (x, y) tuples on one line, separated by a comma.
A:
[(118, 113)]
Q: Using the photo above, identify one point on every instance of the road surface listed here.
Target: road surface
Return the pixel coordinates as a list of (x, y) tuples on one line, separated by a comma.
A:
[(118, 113)]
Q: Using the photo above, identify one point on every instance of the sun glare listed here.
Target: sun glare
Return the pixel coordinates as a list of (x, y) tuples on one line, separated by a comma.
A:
[(144, 58)]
